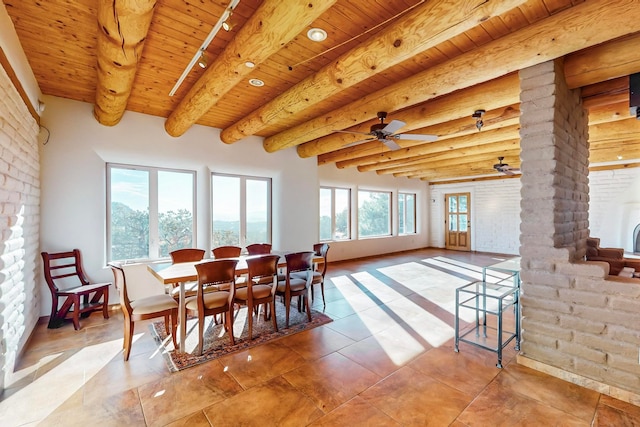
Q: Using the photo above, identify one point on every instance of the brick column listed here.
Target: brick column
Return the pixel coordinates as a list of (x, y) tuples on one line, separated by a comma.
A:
[(577, 323)]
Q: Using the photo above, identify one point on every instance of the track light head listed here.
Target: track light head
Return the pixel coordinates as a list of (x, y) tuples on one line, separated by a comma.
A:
[(202, 62)]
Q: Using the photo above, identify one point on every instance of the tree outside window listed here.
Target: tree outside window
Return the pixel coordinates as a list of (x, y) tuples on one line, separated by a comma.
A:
[(374, 213), (150, 212)]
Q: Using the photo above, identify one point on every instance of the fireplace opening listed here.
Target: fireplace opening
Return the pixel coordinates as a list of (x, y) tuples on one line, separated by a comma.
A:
[(636, 240)]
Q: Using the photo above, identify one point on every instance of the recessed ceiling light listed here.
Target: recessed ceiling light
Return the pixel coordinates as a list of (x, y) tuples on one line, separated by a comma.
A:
[(256, 82), (249, 64), (317, 34), (619, 157)]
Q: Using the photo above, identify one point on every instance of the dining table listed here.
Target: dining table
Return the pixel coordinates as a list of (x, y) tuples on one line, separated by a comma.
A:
[(180, 273)]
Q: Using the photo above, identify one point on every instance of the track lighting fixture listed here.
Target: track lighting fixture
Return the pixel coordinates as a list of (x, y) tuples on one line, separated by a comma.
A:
[(202, 62), (228, 24)]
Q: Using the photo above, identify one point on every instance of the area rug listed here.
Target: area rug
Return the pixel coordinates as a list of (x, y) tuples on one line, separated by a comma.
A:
[(216, 342)]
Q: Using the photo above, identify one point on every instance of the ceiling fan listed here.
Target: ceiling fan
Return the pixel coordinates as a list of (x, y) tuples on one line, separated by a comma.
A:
[(385, 133), (505, 168)]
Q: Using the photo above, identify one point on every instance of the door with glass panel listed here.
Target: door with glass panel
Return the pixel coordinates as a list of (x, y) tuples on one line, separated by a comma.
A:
[(458, 223)]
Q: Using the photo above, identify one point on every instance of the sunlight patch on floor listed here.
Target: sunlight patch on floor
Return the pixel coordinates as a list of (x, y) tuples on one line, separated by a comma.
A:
[(53, 388)]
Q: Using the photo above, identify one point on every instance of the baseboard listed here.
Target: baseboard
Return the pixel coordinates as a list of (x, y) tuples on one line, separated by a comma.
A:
[(585, 382)]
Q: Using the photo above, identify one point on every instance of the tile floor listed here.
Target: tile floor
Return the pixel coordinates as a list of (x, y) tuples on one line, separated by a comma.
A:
[(387, 359)]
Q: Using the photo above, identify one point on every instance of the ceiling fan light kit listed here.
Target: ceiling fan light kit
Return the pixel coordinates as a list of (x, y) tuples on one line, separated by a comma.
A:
[(478, 115)]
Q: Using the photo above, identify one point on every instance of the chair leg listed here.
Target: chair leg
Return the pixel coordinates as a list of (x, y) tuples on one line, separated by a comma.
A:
[(250, 313), (128, 337), (174, 327), (166, 324), (273, 314), (105, 303), (306, 301), (76, 312), (200, 333), (230, 321), (324, 304), (287, 305)]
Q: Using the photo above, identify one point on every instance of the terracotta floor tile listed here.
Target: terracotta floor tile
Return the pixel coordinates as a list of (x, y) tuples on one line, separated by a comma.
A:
[(357, 326), (458, 370), (331, 380), (414, 399), (115, 410), (275, 402), (185, 392), (262, 363), (356, 412), (197, 419), (316, 342), (386, 351), (497, 406), (552, 392), (613, 412)]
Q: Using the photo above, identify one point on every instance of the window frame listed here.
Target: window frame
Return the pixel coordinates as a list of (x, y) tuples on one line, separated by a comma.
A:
[(334, 214), (154, 236), (403, 215), (390, 213), (243, 206)]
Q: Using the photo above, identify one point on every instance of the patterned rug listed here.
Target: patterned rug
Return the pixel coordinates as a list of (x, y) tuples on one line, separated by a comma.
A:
[(216, 341)]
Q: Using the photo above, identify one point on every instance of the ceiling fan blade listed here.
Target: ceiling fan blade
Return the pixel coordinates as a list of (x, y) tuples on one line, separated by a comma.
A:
[(359, 142), (390, 144), (352, 132), (393, 126), (416, 137)]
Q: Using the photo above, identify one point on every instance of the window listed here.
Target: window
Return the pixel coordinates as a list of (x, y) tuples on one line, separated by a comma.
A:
[(374, 213), (335, 213), (241, 210), (150, 211), (406, 213)]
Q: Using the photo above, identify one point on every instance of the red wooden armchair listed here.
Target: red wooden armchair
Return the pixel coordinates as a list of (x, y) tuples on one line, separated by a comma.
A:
[(67, 281)]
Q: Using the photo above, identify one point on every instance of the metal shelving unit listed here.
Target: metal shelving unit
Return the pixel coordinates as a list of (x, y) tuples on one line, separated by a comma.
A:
[(488, 299)]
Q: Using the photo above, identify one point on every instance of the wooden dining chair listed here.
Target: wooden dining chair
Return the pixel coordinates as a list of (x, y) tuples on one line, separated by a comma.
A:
[(261, 289), (148, 307), (66, 280), (226, 252), (320, 249), (293, 285), (259, 248), (214, 273), (187, 255)]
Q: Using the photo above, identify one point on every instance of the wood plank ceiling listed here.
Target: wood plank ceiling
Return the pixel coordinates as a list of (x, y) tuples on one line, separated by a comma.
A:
[(431, 64)]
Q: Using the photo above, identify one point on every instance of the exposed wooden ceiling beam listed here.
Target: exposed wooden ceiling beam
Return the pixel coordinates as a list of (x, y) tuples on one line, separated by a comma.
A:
[(426, 26), (586, 24), (616, 58), (489, 95), (123, 27), (398, 157), (506, 148), (493, 119), (274, 24)]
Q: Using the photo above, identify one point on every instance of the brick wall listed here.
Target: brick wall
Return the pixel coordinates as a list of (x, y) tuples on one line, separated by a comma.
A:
[(575, 323), (19, 224), (495, 214)]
